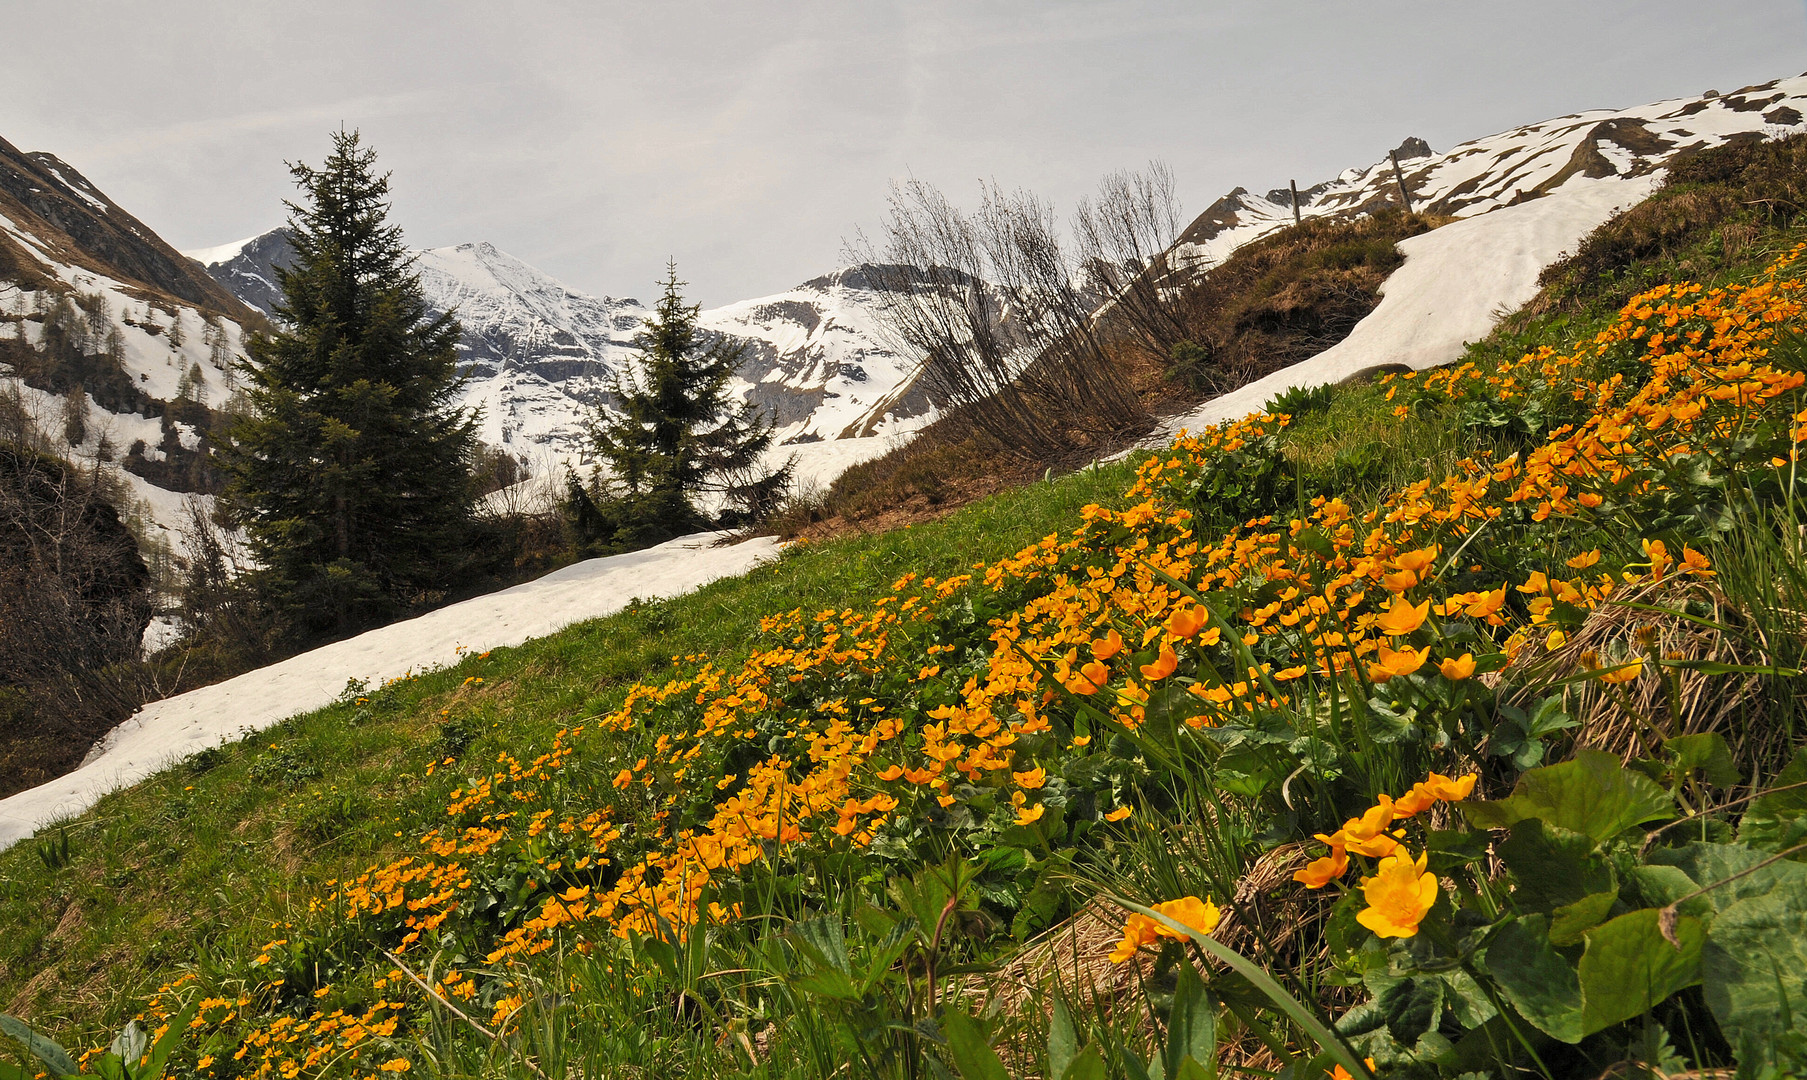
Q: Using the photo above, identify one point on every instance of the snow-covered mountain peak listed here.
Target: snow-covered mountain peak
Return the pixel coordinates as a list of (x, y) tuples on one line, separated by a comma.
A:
[(1511, 167)]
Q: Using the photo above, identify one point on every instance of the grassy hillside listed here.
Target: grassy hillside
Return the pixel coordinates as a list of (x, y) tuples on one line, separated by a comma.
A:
[(1449, 725)]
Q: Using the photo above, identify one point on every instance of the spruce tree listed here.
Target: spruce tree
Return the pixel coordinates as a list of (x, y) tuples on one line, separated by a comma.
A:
[(351, 469), (678, 433)]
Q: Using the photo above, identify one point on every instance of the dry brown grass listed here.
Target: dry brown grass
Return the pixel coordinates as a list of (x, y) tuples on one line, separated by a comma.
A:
[(1632, 719), (1268, 917)]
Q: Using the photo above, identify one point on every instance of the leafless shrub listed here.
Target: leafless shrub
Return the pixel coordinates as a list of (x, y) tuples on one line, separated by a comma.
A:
[(990, 303), (74, 601), (1123, 238)]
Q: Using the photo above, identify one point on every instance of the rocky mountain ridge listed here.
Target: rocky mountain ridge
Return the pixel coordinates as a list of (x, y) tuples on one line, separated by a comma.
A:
[(539, 355), (1510, 167)]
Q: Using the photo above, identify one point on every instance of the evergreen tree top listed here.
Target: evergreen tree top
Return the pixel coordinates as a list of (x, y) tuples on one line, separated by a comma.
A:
[(344, 217)]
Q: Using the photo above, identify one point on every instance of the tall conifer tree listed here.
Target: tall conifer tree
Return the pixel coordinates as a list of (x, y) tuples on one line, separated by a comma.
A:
[(351, 471), (680, 433)]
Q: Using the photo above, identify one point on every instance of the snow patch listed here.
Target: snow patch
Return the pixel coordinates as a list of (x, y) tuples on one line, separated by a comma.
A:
[(1454, 285)]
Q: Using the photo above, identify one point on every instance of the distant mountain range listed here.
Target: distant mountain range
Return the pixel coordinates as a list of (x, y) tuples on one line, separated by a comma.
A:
[(538, 355)]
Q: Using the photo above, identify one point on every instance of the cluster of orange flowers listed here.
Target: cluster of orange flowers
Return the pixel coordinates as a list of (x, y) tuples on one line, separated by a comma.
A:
[(857, 723), (1139, 930)]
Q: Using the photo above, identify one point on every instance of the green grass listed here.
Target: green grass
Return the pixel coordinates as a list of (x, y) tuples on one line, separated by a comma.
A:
[(195, 864)]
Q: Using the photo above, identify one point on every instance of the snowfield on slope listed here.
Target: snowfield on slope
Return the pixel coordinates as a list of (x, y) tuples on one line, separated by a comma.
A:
[(1455, 283), (165, 732)]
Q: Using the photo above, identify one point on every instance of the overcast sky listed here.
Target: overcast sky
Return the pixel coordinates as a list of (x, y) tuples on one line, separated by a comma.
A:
[(746, 140)]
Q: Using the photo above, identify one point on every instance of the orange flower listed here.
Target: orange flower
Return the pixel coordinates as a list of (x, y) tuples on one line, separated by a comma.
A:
[(1416, 561), (1163, 664), (1413, 801), (1200, 915), (1187, 622), (1108, 646), (1450, 789), (1457, 668), (1399, 895), (1366, 835), (1139, 930), (1340, 1073), (1398, 582), (1488, 604), (1032, 779), (1403, 617), (1438, 788), (1090, 679), (1321, 872), (1401, 662), (1585, 560), (1029, 815), (1118, 814), (1625, 673), (1695, 563)]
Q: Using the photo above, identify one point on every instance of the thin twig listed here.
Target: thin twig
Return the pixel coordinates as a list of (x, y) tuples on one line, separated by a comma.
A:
[(1659, 830), (461, 1014), (1665, 919)]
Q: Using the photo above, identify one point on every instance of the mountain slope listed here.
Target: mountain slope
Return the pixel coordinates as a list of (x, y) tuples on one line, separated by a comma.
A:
[(111, 338), (51, 210)]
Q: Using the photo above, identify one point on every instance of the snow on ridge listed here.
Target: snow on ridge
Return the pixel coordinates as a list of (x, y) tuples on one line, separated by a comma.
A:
[(168, 731), (1486, 174), (219, 253), (80, 191), (1449, 291)]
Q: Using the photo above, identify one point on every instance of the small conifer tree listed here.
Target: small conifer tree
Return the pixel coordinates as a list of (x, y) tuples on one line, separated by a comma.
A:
[(678, 433), (351, 468)]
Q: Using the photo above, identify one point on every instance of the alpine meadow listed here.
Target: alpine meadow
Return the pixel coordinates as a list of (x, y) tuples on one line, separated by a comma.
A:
[(1353, 631)]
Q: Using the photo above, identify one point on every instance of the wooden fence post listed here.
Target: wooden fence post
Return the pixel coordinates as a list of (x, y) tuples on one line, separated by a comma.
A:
[(1294, 184), (1399, 177)]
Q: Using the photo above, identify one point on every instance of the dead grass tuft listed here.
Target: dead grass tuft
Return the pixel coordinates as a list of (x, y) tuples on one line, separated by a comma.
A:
[(1632, 719)]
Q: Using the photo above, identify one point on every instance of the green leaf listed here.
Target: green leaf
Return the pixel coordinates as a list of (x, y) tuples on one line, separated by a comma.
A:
[(1752, 971), (1706, 751), (1629, 967), (825, 942), (1412, 1007), (1734, 865), (1571, 922), (172, 1037), (1535, 978), (1191, 1024), (128, 1046), (9, 1071), (1192, 1069), (42, 1047), (973, 1056), (1307, 1020), (1592, 794), (1089, 1065), (1770, 822), (1063, 1040), (1552, 866)]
